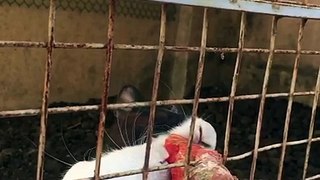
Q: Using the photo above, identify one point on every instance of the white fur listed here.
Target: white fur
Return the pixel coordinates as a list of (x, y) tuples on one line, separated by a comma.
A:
[(132, 157)]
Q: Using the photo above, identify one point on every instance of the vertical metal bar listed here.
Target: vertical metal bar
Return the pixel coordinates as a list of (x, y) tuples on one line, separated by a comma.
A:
[(156, 79), (197, 87), (234, 85), (45, 95), (263, 95), (106, 83), (311, 127), (292, 88)]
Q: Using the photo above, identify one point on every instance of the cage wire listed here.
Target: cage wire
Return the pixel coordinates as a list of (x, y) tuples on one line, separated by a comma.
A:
[(134, 8), (127, 8)]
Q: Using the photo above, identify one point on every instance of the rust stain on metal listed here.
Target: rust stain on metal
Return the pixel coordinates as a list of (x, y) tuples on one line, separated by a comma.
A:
[(263, 96), (45, 97), (197, 87), (155, 87), (311, 127), (136, 47), (275, 7), (80, 45), (290, 101), (23, 44), (234, 85), (106, 84), (289, 3)]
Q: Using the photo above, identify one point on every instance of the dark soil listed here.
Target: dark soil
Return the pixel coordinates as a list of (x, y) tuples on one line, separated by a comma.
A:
[(18, 154)]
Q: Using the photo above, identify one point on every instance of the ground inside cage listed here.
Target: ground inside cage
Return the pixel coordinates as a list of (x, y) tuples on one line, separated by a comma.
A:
[(19, 136)]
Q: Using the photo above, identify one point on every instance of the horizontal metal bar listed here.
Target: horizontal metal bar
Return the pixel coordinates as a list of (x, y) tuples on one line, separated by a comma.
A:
[(23, 44), (66, 109), (232, 158), (269, 147), (256, 6), (80, 45), (313, 177), (65, 45), (151, 169)]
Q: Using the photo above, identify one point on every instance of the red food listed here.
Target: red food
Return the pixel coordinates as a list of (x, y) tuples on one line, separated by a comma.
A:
[(208, 162)]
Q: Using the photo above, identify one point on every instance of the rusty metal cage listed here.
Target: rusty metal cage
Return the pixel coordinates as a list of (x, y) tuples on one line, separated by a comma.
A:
[(277, 9)]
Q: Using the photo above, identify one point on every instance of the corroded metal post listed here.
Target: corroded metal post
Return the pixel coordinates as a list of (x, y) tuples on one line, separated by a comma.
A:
[(155, 87), (263, 95), (197, 87), (289, 107), (45, 96), (106, 84), (234, 84)]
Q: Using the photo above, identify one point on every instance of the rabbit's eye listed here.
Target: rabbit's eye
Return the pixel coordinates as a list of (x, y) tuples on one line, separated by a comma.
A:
[(154, 135), (200, 140), (200, 136), (205, 144)]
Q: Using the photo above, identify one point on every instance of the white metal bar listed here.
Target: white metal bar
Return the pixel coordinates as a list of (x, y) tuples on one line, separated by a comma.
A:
[(256, 6)]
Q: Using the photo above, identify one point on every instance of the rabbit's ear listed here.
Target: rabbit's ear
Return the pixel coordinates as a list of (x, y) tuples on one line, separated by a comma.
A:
[(177, 108), (174, 109), (128, 94)]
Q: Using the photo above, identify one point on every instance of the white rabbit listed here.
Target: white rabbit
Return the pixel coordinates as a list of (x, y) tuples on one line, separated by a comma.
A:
[(132, 157)]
